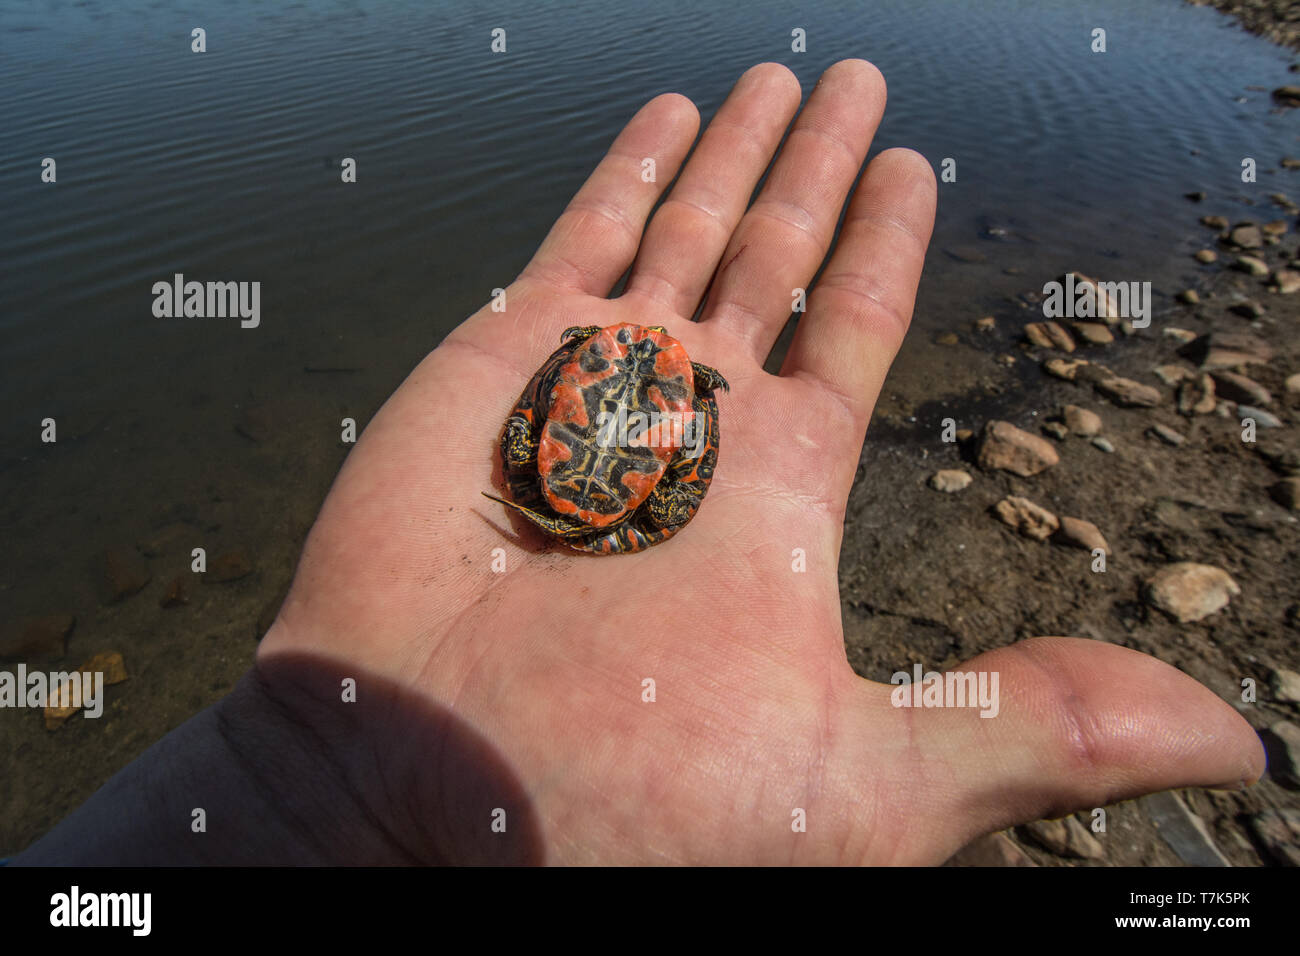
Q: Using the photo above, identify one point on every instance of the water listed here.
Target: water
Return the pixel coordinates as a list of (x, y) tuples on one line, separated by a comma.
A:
[(225, 166)]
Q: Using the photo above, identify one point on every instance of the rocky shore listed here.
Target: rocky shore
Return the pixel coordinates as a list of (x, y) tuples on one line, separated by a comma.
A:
[(1277, 20)]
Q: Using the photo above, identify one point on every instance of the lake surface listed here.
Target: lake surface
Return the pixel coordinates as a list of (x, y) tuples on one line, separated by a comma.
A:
[(225, 166)]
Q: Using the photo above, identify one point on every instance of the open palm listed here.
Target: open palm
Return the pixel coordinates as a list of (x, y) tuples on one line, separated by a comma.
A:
[(691, 702)]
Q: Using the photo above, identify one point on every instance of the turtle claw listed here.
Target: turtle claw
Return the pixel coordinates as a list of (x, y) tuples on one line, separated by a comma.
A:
[(583, 332), (560, 527), (707, 379)]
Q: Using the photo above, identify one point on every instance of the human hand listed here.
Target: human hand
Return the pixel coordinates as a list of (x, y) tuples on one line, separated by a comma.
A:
[(523, 689)]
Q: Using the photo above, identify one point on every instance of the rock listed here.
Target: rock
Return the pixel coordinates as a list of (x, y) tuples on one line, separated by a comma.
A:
[(1214, 222), (1049, 335), (1249, 309), (1276, 228), (1171, 375), (1282, 199), (1024, 516), (125, 573), (1067, 837), (230, 566), (1103, 444), (1004, 446), (173, 537), (1082, 534), (1287, 493), (985, 324), (36, 637), (1262, 418), (1251, 266), (1187, 591), (1125, 391), (1284, 755), (1290, 162), (1285, 281), (1279, 832), (1286, 685), (1238, 388), (1293, 384), (62, 704), (995, 849), (1181, 336), (950, 480), (964, 434), (1189, 297), (1063, 368), (1196, 396), (947, 338), (1094, 333), (177, 592), (1287, 96), (1006, 359), (1206, 256), (1246, 235), (1167, 434), (1057, 430), (1184, 832), (1284, 457), (1106, 310), (1229, 349), (1194, 197), (1081, 421)]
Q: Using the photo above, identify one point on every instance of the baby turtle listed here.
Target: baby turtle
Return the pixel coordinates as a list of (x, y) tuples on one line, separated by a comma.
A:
[(612, 445)]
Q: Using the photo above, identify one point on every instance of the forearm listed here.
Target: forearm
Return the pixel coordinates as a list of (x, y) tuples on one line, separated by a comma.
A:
[(268, 789)]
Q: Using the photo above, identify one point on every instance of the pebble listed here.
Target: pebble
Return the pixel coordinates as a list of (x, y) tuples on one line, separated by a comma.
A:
[(230, 566), (1290, 162), (1094, 333), (45, 636), (1286, 281), (1238, 388), (1171, 375), (1284, 762), (1184, 831), (1251, 265), (1081, 421), (985, 324), (1167, 435), (964, 434), (1197, 196), (1230, 349), (1063, 368), (1246, 235), (966, 254), (1189, 297), (950, 480), (1057, 430), (1049, 335), (1262, 418), (1293, 384), (1214, 222), (124, 573), (59, 709), (1187, 591), (1067, 837), (1249, 309), (1082, 534), (1279, 831), (1287, 95), (947, 338), (1275, 228), (1181, 336), (1206, 256), (1006, 447), (995, 849), (1103, 444), (1196, 396), (1287, 493), (1029, 519), (1286, 685), (1125, 391), (177, 592)]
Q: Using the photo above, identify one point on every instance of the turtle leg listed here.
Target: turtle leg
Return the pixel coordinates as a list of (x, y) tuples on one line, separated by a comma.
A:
[(583, 332), (707, 379), (519, 444), (552, 524)]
